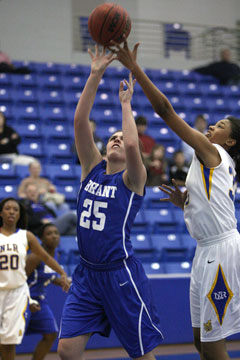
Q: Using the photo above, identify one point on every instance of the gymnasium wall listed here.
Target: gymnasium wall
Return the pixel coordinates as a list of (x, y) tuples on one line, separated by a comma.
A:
[(42, 30)]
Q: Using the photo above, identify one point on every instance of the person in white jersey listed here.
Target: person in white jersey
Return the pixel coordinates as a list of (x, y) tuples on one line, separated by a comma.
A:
[(14, 292), (209, 213)]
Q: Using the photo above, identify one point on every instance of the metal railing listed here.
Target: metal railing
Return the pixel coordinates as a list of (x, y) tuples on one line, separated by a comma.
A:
[(160, 39)]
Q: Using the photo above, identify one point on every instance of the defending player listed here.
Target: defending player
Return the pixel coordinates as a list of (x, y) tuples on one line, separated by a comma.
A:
[(109, 288), (210, 216), (14, 293), (39, 277)]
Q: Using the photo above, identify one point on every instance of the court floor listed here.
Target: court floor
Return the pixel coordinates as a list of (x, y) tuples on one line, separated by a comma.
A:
[(162, 352)]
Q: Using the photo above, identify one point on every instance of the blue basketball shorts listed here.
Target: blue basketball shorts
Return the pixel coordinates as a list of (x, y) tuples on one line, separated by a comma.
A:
[(118, 298), (42, 321)]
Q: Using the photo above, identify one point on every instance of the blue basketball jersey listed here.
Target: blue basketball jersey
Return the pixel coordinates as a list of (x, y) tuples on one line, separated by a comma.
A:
[(106, 211), (42, 276)]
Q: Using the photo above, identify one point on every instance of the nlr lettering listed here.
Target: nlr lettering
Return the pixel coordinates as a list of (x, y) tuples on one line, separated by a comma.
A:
[(220, 295), (114, 22)]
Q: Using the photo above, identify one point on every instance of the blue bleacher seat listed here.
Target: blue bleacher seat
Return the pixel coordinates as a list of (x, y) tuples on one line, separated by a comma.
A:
[(34, 149), (72, 82), (52, 113), (178, 215), (195, 103), (153, 268), (189, 243), (6, 95), (47, 68), (161, 220), (140, 225), (28, 131), (60, 152), (161, 74), (218, 105), (70, 193), (178, 103), (232, 91), (8, 174), (211, 90), (176, 38), (104, 132), (117, 72), (26, 112), (141, 242), (51, 97), (169, 247), (234, 106), (153, 118), (169, 88), (6, 109), (71, 97), (106, 99), (178, 267), (152, 198), (161, 134), (56, 132), (106, 117), (75, 70), (49, 81), (25, 81), (68, 243), (22, 171), (25, 96), (5, 80), (8, 191), (189, 89), (62, 174), (185, 76)]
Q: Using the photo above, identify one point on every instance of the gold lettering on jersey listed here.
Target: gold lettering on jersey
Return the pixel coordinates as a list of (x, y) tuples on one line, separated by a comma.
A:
[(100, 190), (8, 247)]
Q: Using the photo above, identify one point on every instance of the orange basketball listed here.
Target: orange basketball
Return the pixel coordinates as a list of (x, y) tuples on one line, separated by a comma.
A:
[(108, 22)]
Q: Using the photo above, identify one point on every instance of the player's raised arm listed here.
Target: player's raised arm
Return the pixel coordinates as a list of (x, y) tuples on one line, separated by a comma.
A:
[(204, 149), (87, 151), (135, 175)]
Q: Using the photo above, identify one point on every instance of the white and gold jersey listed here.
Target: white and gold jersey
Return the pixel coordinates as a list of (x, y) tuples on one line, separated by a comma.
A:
[(209, 210), (13, 251)]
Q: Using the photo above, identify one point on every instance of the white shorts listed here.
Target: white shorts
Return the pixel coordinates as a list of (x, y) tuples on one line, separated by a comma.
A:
[(215, 289), (13, 304)]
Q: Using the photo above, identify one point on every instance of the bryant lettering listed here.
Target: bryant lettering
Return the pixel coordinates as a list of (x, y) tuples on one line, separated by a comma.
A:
[(100, 190), (114, 22)]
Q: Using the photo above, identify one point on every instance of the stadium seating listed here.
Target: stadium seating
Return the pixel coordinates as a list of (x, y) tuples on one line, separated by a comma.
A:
[(41, 106)]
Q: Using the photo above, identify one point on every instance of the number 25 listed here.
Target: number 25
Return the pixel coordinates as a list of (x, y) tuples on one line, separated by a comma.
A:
[(100, 216)]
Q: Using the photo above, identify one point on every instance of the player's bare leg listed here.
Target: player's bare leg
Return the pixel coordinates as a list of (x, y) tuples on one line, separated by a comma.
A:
[(44, 346), (148, 356), (197, 342), (73, 348), (214, 350), (8, 352)]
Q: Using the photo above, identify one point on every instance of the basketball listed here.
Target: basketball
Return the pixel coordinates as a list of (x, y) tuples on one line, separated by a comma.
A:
[(108, 22)]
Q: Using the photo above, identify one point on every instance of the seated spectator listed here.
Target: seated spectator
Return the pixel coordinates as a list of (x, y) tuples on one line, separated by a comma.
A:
[(178, 170), (47, 190), (227, 72), (156, 166), (98, 141), (9, 140), (200, 124), (6, 65), (147, 141), (39, 214)]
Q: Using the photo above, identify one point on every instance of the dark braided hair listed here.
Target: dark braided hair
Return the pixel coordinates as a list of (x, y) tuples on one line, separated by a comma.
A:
[(234, 151), (23, 219)]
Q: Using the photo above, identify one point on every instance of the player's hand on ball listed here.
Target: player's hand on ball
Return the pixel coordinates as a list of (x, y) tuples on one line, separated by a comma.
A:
[(100, 60), (127, 57)]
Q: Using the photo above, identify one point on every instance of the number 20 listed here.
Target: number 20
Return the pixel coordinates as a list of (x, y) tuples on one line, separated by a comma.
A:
[(100, 216)]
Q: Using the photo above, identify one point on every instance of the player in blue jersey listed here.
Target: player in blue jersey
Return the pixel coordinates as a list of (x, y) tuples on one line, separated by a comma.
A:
[(39, 277), (209, 214), (109, 287)]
